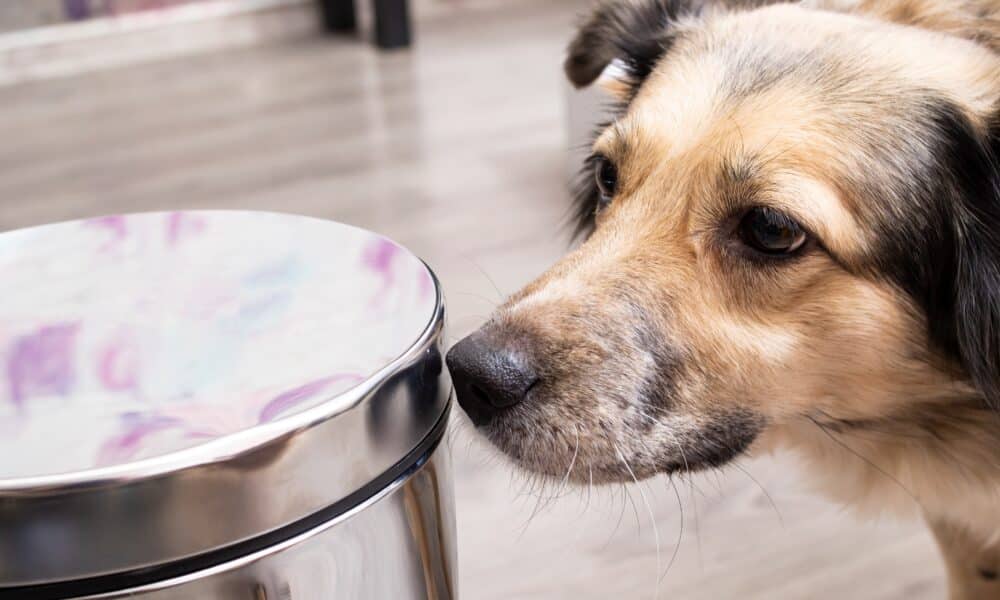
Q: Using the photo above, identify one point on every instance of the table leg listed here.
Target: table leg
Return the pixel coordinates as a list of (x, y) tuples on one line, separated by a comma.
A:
[(338, 15), (392, 23)]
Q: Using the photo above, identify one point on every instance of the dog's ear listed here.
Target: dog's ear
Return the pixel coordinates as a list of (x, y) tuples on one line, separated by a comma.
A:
[(636, 32), (947, 254), (977, 260)]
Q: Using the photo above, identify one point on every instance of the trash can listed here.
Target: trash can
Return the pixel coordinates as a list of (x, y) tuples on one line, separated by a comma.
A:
[(221, 405)]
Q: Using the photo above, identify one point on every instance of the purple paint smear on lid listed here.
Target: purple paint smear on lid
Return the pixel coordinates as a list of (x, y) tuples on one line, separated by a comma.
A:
[(41, 363), (378, 257), (293, 397), (115, 224), (129, 443), (181, 225)]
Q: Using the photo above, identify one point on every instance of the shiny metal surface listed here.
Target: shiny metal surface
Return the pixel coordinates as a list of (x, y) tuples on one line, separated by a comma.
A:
[(168, 508), (51, 534), (398, 545)]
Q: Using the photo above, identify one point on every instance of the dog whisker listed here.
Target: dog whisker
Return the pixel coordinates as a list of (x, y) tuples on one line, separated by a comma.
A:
[(652, 520), (492, 303), (572, 461), (680, 530), (697, 523), (531, 517), (635, 510), (770, 500), (877, 468), (590, 485), (621, 515), (543, 499), (500, 295)]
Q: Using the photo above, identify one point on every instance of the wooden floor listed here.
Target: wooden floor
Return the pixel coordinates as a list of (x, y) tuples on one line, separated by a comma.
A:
[(456, 150)]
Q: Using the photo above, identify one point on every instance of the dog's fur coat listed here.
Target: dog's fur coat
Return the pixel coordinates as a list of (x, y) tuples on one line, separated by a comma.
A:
[(665, 343)]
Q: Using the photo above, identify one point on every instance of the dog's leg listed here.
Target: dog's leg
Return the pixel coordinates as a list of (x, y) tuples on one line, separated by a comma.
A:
[(973, 568)]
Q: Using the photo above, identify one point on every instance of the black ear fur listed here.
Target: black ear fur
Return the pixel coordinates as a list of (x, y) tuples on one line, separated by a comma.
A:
[(946, 254), (977, 269), (636, 31), (639, 32)]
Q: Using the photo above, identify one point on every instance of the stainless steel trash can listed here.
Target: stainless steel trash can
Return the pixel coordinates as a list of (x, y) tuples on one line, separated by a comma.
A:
[(221, 405)]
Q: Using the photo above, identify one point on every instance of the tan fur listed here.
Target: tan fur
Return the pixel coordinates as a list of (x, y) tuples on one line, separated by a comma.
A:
[(973, 569), (818, 355), (976, 20)]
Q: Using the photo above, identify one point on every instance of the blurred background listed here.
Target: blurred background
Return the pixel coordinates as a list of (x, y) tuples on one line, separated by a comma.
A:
[(456, 143)]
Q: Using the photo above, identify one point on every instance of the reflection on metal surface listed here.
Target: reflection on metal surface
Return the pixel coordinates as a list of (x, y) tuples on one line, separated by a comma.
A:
[(433, 542), (399, 545)]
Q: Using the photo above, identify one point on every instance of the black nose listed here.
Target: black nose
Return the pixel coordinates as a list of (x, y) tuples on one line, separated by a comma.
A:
[(488, 377)]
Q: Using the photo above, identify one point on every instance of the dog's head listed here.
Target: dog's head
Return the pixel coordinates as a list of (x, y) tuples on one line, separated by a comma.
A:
[(796, 215)]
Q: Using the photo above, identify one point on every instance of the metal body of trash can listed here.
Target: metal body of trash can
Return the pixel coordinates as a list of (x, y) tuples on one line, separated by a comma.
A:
[(221, 405)]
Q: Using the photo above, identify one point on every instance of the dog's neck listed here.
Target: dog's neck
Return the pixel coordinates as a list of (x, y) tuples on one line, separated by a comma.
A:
[(939, 458)]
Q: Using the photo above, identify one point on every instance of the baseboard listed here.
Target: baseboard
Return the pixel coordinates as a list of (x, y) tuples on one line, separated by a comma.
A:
[(71, 48)]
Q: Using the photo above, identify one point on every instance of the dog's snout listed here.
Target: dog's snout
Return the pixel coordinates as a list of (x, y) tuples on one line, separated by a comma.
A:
[(488, 376)]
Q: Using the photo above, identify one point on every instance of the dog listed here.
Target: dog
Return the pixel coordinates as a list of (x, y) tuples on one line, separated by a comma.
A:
[(791, 241)]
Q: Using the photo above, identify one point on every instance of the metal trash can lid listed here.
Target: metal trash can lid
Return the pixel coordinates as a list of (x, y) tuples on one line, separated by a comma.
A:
[(179, 388)]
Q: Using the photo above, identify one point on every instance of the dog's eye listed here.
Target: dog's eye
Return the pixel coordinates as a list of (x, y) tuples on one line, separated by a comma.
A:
[(771, 232), (606, 176)]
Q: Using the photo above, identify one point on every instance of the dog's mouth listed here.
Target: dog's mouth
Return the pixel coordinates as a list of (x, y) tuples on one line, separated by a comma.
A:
[(562, 428), (583, 451)]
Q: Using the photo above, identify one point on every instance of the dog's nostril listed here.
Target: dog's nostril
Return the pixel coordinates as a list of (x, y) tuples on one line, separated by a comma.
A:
[(479, 393)]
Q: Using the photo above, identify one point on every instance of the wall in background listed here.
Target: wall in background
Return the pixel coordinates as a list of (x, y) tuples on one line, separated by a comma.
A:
[(40, 39), (85, 9), (63, 37), (27, 14)]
